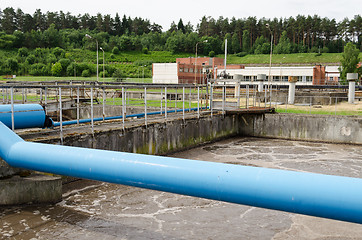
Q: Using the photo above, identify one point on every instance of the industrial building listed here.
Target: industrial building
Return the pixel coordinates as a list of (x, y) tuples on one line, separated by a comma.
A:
[(192, 70)]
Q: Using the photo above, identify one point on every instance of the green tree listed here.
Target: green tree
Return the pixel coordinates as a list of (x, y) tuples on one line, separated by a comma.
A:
[(57, 69), (246, 41), (235, 44), (284, 46), (12, 65), (350, 59)]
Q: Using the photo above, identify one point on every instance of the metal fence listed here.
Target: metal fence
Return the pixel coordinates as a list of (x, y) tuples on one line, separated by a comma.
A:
[(76, 102)]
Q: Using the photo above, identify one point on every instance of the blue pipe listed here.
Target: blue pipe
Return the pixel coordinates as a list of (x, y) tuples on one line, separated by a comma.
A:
[(138, 115), (25, 116), (318, 195)]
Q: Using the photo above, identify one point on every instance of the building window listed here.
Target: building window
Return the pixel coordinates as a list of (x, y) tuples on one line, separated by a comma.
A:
[(276, 78), (191, 70), (285, 78), (181, 70), (309, 79), (186, 70)]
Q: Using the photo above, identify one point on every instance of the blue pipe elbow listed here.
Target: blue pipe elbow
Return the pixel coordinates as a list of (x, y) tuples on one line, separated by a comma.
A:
[(312, 194)]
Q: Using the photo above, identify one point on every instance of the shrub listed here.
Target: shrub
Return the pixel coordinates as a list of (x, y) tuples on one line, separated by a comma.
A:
[(31, 59), (57, 69), (86, 73), (58, 52), (115, 50), (38, 69), (23, 52), (51, 59), (118, 74), (101, 74), (211, 54), (241, 54), (145, 50)]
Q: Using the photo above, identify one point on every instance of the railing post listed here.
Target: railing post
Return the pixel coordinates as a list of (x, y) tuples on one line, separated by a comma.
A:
[(161, 102), (12, 108), (146, 106), (41, 95), (45, 98), (104, 103), (176, 101), (183, 103), (190, 96), (198, 102), (223, 99), (77, 105), (61, 115), (123, 108), (247, 96), (166, 103), (92, 122), (211, 97)]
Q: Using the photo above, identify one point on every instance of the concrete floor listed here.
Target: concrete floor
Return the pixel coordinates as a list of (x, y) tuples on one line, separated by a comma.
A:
[(108, 211)]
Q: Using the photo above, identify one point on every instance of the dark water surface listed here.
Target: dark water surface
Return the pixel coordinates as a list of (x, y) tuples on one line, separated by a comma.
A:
[(108, 211)]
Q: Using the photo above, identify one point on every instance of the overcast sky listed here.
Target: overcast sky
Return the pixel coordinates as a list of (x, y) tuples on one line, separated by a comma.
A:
[(164, 12)]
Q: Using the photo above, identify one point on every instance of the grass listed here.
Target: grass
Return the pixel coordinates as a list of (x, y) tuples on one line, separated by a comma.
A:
[(295, 58), (321, 112), (52, 78)]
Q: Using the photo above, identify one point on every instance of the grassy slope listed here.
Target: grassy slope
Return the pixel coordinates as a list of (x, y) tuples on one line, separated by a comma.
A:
[(295, 58)]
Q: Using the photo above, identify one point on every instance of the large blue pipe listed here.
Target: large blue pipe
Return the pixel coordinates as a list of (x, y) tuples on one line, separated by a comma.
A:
[(25, 116), (137, 115), (318, 195)]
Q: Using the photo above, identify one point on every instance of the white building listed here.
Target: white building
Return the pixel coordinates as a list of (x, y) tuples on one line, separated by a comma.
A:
[(307, 75)]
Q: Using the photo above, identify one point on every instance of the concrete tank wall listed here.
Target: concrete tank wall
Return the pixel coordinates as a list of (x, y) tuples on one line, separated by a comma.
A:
[(326, 128), (160, 137)]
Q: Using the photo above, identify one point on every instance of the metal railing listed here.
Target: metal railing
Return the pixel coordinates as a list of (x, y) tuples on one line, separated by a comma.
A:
[(76, 102)]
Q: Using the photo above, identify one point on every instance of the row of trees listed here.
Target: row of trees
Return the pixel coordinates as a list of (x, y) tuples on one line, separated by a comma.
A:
[(246, 35)]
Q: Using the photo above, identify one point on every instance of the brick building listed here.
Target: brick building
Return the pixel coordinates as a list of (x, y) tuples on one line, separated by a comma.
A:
[(189, 70)]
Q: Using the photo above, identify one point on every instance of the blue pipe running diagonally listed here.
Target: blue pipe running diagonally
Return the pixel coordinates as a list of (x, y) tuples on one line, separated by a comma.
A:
[(136, 115), (319, 195)]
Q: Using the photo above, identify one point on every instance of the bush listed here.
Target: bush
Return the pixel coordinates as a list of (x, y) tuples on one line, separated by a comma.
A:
[(211, 54), (58, 52), (115, 50), (38, 69), (241, 54), (86, 73), (118, 74), (23, 52), (12, 65), (57, 69), (105, 74), (145, 50), (51, 59), (64, 62), (31, 59)]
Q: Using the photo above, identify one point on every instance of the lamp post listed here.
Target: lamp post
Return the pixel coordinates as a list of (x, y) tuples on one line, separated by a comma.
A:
[(270, 58), (205, 41), (103, 62), (90, 37)]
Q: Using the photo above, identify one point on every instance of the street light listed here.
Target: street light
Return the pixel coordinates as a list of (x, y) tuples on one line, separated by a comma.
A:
[(103, 62), (270, 58), (205, 41), (90, 37)]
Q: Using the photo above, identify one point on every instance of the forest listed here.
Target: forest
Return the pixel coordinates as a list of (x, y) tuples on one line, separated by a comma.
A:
[(34, 43)]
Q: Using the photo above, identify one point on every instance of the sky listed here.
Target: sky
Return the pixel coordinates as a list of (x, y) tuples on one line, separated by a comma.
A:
[(163, 12)]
